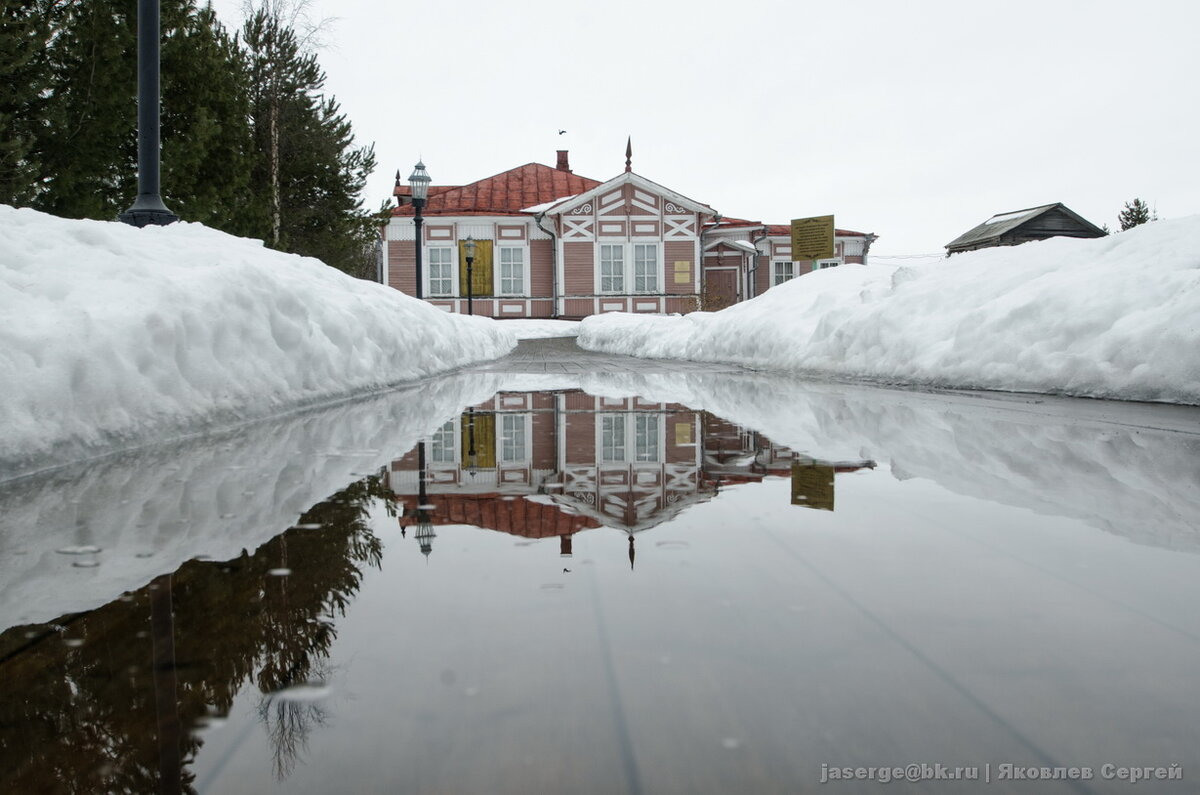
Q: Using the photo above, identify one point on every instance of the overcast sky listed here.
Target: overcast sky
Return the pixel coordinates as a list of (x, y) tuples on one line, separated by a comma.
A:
[(915, 120)]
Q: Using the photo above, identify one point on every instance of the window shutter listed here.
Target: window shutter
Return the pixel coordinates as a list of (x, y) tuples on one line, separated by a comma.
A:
[(481, 269)]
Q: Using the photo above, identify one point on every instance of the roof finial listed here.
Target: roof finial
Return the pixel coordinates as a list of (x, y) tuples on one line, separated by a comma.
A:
[(629, 154)]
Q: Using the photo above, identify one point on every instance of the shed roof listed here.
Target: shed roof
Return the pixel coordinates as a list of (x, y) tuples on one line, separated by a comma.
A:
[(1002, 223)]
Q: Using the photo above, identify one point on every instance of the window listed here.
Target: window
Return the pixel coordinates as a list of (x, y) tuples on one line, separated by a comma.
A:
[(439, 271), (612, 437), (645, 268), (646, 437), (441, 444), (822, 264), (630, 267), (784, 270), (612, 269), (618, 436), (512, 271), (512, 437)]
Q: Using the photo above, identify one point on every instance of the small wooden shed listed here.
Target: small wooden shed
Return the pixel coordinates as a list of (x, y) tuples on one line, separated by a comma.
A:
[(1022, 226)]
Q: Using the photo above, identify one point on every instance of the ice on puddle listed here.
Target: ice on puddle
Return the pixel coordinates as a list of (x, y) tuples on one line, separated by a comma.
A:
[(307, 691), (80, 550)]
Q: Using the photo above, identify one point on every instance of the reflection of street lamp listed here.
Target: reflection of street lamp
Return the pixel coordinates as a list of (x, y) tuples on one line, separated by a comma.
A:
[(471, 468), (469, 246), (419, 180), (425, 534)]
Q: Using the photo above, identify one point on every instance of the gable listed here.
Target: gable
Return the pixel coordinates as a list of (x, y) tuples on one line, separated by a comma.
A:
[(631, 195)]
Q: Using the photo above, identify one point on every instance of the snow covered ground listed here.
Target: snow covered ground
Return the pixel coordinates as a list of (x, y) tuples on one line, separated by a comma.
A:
[(1115, 317), (112, 336), (532, 329)]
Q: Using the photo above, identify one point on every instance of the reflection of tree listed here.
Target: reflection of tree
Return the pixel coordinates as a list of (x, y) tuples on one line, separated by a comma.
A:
[(84, 718)]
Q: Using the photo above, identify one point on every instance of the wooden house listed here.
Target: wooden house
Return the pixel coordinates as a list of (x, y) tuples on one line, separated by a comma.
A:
[(550, 243), (1022, 226), (744, 259)]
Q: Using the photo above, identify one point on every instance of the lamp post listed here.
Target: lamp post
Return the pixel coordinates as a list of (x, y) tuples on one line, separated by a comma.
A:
[(470, 249), (148, 209), (419, 180)]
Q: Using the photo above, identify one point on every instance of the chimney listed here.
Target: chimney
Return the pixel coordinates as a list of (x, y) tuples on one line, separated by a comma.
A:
[(563, 165)]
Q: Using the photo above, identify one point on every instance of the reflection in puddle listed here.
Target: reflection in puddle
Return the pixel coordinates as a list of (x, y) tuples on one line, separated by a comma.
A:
[(112, 707), (800, 575), (552, 464)]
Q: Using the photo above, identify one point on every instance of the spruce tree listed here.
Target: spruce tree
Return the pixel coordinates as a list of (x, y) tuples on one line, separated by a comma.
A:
[(207, 149), (26, 28), (1135, 213), (86, 140), (308, 169)]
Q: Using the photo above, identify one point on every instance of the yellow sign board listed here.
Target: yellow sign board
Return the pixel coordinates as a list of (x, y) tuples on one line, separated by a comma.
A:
[(812, 486), (812, 238), (683, 271)]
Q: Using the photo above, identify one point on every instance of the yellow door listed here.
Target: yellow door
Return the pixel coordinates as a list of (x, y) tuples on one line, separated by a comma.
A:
[(478, 440), (481, 269)]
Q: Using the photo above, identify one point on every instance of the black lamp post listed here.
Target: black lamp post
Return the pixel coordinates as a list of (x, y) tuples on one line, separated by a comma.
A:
[(419, 180), (148, 209), (469, 245)]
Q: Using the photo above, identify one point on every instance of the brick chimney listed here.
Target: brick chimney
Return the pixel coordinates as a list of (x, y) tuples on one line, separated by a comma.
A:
[(563, 165)]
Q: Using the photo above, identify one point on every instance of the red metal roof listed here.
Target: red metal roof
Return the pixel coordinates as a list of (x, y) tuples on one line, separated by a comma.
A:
[(507, 193), (519, 517)]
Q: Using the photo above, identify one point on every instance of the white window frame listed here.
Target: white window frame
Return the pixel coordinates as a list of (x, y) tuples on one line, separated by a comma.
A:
[(498, 274), (513, 428), (612, 274), (628, 272), (442, 441), (822, 264), (428, 274), (775, 268), (640, 440)]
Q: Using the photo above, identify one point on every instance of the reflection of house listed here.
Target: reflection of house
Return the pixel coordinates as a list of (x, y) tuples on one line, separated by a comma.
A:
[(550, 243), (550, 464), (1022, 226), (733, 454)]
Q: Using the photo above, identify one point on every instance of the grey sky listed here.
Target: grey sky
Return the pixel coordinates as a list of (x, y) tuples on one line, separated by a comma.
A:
[(913, 120)]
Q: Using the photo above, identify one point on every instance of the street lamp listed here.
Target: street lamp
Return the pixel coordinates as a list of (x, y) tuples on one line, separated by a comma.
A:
[(419, 180), (469, 245), (148, 209)]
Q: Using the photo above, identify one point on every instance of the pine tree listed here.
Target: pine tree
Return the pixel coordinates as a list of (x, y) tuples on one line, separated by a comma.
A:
[(307, 167), (207, 143), (1135, 213), (25, 32), (86, 138)]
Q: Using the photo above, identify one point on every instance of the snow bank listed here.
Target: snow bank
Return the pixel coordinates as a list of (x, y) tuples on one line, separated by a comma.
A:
[(1116, 317), (111, 335)]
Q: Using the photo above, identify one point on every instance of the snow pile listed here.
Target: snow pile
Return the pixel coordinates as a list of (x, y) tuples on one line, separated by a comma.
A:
[(111, 335), (1115, 317)]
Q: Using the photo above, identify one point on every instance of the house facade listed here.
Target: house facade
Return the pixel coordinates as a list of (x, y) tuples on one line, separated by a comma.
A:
[(549, 243)]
